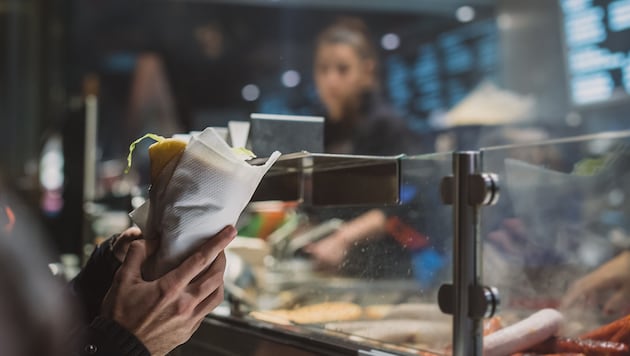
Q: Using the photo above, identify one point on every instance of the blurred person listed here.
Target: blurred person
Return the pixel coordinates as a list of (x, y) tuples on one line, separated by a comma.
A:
[(358, 118), (124, 314), (358, 121)]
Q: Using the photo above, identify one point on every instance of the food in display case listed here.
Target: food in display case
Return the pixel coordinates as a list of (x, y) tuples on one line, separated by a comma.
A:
[(563, 209), (539, 335), (319, 313), (421, 326), (532, 276)]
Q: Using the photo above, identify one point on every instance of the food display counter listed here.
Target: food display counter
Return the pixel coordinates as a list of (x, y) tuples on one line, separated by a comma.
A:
[(437, 251)]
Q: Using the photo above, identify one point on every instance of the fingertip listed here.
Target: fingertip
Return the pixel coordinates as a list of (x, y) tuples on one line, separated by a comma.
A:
[(230, 230), (132, 231)]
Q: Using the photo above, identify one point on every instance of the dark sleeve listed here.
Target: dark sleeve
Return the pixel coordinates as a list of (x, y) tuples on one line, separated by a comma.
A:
[(92, 283), (105, 337)]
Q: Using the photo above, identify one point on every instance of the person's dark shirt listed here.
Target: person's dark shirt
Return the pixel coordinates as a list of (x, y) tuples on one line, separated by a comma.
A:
[(376, 129)]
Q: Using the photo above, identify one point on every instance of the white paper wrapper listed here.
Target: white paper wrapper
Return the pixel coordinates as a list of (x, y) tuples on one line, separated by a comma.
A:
[(195, 197)]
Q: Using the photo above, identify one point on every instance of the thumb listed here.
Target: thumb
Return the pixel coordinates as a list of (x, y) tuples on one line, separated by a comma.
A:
[(136, 254)]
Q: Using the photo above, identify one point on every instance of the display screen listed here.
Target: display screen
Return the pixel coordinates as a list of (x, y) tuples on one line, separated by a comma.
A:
[(433, 76), (597, 36)]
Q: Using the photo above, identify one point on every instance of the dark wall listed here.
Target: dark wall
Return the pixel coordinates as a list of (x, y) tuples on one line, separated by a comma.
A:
[(20, 94)]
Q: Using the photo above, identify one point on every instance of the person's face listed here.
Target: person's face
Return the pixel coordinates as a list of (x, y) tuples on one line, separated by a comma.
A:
[(341, 75)]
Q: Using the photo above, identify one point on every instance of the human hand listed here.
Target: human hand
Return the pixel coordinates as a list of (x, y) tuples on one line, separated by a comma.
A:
[(331, 251), (121, 243), (164, 313), (609, 282)]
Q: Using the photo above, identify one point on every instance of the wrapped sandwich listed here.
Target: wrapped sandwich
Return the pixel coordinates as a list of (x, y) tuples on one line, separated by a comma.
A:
[(197, 188)]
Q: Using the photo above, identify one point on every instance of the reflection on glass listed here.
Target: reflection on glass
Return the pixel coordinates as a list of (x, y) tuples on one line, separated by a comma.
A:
[(558, 235), (374, 281)]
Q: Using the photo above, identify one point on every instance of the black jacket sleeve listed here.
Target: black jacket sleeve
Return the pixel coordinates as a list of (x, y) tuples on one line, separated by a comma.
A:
[(105, 337), (92, 283)]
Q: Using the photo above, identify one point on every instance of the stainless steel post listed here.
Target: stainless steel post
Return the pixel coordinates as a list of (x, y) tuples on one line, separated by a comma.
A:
[(467, 190), (467, 332)]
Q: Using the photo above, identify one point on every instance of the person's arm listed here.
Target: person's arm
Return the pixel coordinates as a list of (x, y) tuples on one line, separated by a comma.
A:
[(613, 277), (92, 283), (164, 313), (104, 337), (331, 251)]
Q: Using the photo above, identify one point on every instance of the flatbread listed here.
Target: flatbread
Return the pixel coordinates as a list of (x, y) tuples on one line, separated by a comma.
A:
[(320, 313)]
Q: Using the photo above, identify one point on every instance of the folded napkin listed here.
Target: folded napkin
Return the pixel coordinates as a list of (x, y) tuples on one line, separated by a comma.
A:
[(195, 197)]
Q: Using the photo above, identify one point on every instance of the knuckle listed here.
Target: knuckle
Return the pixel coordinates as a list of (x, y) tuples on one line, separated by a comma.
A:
[(183, 306), (211, 284), (167, 291), (200, 259), (121, 277)]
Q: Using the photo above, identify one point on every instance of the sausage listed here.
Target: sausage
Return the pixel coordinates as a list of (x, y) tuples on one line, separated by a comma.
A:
[(623, 334), (558, 354), (589, 347), (524, 334), (608, 331)]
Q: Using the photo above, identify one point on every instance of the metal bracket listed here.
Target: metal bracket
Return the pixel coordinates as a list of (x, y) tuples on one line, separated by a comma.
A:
[(483, 189), (484, 301)]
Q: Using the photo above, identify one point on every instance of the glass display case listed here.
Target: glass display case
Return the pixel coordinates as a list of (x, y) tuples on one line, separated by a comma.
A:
[(356, 260), (561, 215)]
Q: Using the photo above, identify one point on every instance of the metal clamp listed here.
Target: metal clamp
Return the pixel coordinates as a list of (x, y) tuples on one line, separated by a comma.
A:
[(483, 189), (484, 301)]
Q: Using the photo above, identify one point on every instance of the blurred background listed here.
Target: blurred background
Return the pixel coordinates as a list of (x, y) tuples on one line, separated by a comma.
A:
[(106, 72)]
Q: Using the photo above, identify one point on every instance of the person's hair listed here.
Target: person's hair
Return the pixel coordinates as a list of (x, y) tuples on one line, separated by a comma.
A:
[(350, 31)]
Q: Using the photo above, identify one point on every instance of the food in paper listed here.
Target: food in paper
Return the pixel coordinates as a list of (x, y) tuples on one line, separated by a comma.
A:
[(195, 192)]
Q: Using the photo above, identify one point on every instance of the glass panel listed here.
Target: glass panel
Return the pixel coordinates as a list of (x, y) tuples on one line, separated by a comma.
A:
[(562, 215), (367, 273)]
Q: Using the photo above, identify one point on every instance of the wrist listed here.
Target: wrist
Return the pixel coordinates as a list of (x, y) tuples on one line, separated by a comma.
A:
[(106, 337)]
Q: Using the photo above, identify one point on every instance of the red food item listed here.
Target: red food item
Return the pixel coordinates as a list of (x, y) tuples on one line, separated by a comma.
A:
[(623, 334), (608, 331), (588, 347), (560, 354)]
